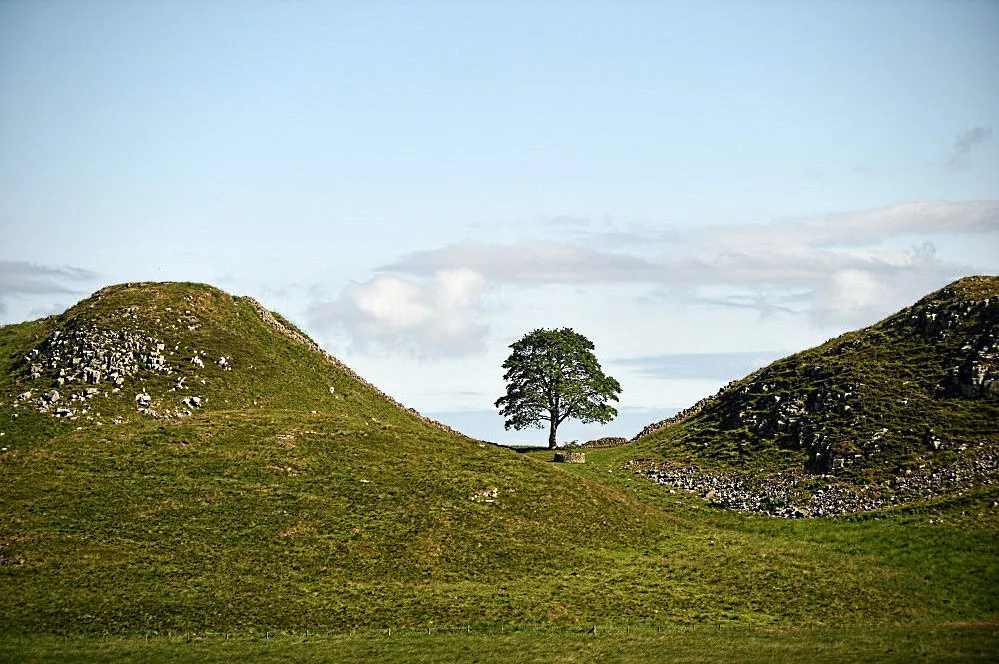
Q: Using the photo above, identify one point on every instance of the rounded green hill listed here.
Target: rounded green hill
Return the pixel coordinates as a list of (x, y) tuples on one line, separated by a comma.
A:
[(903, 410)]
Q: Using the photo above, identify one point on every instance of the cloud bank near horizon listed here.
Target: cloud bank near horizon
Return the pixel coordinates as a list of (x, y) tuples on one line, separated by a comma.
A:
[(836, 270)]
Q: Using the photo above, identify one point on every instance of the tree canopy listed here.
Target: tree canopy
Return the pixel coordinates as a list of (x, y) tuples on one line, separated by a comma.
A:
[(552, 376)]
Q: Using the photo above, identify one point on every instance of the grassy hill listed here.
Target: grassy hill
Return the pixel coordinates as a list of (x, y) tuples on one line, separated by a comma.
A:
[(136, 352), (296, 496), (903, 410)]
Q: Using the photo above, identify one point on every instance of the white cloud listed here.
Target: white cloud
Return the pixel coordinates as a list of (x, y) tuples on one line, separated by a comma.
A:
[(849, 295), (842, 268), (434, 317), (388, 303)]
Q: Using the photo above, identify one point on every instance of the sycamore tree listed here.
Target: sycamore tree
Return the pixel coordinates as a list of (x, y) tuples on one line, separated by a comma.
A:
[(552, 376)]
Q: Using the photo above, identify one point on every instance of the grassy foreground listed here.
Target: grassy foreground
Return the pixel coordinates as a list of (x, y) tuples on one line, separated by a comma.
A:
[(240, 524), (299, 501), (973, 643)]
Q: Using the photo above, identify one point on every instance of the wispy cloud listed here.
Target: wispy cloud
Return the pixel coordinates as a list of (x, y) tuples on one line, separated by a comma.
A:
[(768, 302), (700, 366), (864, 227), (965, 142), (530, 262), (21, 278), (423, 317), (844, 267), (783, 252), (836, 270)]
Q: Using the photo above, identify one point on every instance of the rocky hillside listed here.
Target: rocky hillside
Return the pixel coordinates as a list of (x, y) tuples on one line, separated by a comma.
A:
[(902, 409), (166, 351)]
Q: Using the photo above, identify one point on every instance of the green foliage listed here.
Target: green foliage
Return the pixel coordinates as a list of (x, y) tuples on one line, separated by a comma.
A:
[(552, 376)]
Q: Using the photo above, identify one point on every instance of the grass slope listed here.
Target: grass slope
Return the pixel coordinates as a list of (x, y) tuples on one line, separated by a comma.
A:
[(971, 643), (945, 551), (245, 517), (881, 401), (265, 370)]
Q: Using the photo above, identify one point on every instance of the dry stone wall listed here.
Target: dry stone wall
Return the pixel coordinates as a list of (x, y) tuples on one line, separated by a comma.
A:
[(684, 414), (795, 496)]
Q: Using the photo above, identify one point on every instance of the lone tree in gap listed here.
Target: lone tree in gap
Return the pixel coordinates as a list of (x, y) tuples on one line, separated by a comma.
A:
[(551, 376)]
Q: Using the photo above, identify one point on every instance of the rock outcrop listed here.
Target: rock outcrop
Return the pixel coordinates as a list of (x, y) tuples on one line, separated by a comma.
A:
[(88, 361)]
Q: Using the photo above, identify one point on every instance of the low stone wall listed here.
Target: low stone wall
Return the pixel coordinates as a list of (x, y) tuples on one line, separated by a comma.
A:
[(570, 457), (786, 495), (607, 441)]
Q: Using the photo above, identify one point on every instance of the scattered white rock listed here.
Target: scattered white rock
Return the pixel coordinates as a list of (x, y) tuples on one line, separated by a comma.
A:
[(486, 495)]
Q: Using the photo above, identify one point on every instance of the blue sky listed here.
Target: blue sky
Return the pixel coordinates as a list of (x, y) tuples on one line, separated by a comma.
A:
[(697, 187)]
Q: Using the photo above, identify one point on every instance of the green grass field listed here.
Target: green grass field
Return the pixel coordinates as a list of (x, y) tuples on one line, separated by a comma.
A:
[(234, 529), (704, 645)]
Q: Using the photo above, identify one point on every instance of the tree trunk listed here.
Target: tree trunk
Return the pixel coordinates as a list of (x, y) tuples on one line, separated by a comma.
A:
[(552, 426)]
